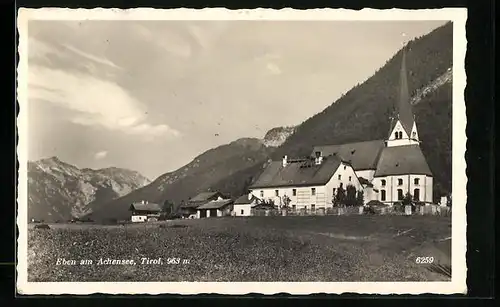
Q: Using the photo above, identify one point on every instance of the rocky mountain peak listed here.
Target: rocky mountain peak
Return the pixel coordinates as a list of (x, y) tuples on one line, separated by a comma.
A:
[(278, 135)]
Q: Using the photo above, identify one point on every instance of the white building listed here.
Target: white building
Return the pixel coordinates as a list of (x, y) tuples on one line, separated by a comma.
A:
[(309, 183), (244, 204), (144, 211)]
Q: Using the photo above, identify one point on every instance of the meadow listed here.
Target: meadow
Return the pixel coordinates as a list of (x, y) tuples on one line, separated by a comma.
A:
[(300, 248)]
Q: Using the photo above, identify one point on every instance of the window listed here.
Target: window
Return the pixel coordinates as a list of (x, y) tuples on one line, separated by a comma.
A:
[(416, 194), (340, 177), (414, 135), (242, 211), (416, 181), (261, 193), (345, 167), (293, 207), (294, 192), (383, 182), (333, 191), (400, 181), (318, 154), (349, 178), (313, 191), (400, 194), (382, 195), (277, 192), (396, 135), (341, 185), (313, 207)]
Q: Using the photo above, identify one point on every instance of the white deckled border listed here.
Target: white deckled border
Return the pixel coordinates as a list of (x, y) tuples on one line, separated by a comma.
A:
[(459, 181)]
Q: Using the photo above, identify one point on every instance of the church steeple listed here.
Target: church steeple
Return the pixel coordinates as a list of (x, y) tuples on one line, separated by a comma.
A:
[(405, 114), (403, 129)]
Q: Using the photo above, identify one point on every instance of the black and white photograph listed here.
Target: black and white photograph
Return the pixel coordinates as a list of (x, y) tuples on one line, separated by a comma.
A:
[(249, 151)]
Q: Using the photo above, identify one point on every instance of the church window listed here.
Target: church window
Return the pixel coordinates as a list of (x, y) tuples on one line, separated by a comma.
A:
[(382, 195), (383, 182), (261, 193), (313, 191), (400, 194), (416, 194), (400, 135), (345, 167), (400, 181), (397, 135), (340, 177), (333, 191), (414, 135), (416, 181), (349, 178), (277, 192), (294, 192)]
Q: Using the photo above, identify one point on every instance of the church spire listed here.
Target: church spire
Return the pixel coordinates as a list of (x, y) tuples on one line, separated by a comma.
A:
[(404, 111)]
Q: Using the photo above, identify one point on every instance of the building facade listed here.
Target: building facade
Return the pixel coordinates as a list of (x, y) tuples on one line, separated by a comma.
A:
[(244, 204), (144, 212), (308, 184)]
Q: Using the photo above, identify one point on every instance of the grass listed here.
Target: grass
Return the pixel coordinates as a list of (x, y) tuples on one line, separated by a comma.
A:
[(308, 248)]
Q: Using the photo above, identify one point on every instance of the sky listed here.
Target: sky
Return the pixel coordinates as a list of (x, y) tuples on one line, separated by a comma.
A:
[(152, 95)]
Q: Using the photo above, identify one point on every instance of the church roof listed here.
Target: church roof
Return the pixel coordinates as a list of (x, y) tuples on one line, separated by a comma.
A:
[(402, 160), (361, 155), (300, 173), (404, 108)]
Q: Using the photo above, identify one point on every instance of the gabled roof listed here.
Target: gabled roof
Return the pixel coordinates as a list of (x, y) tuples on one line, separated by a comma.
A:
[(243, 200), (361, 155), (145, 207), (204, 196), (297, 173), (402, 160), (216, 204)]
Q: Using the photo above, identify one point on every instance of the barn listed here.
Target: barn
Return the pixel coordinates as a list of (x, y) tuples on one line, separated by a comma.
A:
[(189, 209), (145, 211), (215, 208)]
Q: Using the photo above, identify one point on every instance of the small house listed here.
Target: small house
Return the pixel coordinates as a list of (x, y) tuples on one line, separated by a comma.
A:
[(244, 204), (189, 209), (215, 208), (145, 211)]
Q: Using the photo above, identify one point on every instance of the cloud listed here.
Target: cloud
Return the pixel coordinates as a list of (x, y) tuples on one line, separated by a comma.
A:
[(94, 102), (100, 155), (273, 68), (88, 56)]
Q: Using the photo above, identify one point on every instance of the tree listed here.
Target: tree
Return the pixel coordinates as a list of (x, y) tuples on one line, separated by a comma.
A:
[(338, 200), (350, 197), (286, 201), (360, 198), (168, 207), (408, 201)]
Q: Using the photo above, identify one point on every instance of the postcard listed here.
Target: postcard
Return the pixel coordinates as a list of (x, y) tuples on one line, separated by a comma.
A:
[(223, 151)]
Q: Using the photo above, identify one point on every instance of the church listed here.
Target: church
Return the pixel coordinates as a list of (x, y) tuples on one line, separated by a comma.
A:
[(385, 170)]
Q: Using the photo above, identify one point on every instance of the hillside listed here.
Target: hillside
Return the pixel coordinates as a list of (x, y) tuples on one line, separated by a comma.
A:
[(199, 175), (61, 191)]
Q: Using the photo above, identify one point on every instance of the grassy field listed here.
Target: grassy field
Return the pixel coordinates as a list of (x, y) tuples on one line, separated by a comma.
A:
[(315, 248)]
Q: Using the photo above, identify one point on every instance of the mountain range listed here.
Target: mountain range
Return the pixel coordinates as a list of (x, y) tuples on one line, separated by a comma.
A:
[(361, 114), (61, 191)]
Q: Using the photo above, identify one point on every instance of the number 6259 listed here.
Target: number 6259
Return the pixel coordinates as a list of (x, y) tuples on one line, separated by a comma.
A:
[(424, 260)]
